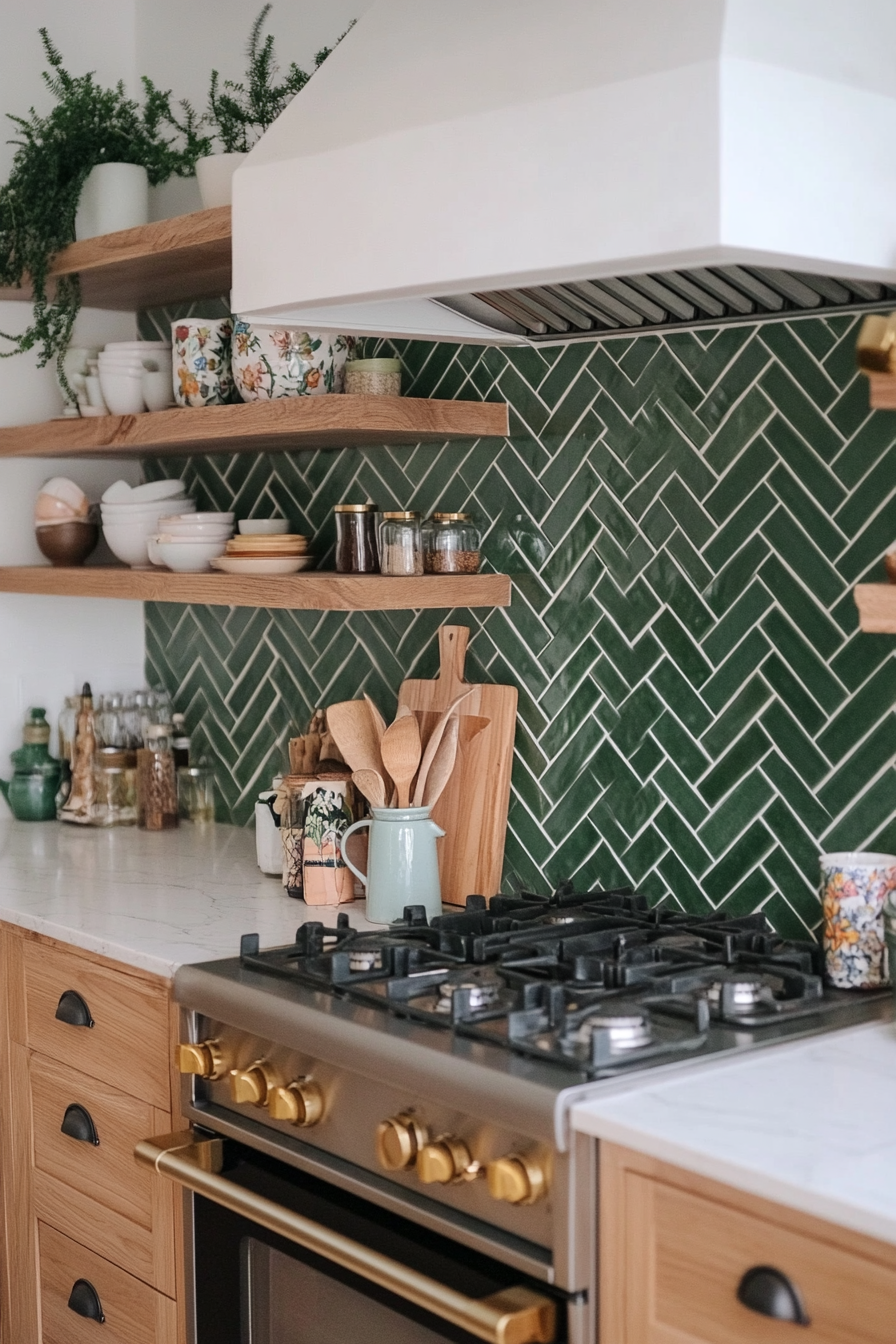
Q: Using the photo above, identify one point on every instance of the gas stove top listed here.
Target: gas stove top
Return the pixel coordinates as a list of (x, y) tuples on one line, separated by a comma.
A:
[(597, 983)]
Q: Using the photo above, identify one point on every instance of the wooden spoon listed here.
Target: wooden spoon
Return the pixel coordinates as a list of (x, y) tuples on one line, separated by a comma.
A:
[(432, 746), (355, 735), (371, 784), (401, 754), (443, 763), (379, 722)]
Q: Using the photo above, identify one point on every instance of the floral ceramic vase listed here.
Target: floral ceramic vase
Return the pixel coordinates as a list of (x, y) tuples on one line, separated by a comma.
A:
[(854, 887), (200, 355), (270, 363)]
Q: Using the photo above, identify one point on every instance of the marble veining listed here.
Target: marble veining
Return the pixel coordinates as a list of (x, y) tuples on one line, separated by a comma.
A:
[(154, 901), (810, 1124)]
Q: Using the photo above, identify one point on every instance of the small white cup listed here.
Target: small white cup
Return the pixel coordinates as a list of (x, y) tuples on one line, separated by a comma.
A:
[(157, 390)]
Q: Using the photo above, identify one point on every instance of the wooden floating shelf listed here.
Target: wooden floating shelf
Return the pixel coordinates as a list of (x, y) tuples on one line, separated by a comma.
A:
[(882, 391), (166, 262), (877, 607), (297, 592), (287, 425)]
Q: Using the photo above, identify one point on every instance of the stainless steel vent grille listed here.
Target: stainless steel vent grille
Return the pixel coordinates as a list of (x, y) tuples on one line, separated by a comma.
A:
[(710, 295)]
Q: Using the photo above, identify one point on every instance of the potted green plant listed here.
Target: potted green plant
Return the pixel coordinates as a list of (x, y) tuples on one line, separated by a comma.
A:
[(239, 113), (89, 130)]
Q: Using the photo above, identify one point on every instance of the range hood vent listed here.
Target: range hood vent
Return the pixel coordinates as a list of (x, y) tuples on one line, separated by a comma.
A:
[(708, 296), (516, 171)]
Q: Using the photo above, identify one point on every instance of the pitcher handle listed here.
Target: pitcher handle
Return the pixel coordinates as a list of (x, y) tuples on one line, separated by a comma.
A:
[(356, 826)]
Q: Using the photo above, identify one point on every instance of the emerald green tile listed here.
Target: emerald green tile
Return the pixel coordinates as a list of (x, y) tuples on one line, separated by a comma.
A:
[(730, 818), (805, 417), (734, 764)]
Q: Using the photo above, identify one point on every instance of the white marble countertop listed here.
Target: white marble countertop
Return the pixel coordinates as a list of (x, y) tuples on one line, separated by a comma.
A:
[(151, 900), (811, 1125)]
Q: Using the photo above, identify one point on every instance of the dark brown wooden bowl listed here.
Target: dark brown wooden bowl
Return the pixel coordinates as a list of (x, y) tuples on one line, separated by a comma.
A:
[(68, 543)]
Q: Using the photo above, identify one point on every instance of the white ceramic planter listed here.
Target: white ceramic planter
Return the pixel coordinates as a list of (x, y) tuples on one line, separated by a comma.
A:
[(214, 174), (114, 196)]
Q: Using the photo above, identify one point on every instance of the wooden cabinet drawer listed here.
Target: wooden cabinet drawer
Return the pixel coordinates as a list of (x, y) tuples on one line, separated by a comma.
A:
[(128, 1044), (134, 1313), (117, 1207), (675, 1256)]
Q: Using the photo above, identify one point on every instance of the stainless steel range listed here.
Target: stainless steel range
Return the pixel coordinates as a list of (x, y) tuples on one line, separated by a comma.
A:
[(383, 1115)]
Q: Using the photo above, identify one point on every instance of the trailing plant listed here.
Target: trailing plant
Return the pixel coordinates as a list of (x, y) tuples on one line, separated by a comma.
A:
[(87, 126), (240, 113)]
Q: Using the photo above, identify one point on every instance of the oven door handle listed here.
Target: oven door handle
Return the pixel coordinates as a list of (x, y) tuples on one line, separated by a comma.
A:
[(515, 1315)]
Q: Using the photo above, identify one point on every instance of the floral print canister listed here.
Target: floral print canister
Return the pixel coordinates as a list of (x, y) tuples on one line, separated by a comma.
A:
[(284, 362), (854, 888), (200, 356)]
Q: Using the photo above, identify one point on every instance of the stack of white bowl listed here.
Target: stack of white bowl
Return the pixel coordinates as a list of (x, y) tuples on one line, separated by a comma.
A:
[(131, 516), (136, 376), (187, 542)]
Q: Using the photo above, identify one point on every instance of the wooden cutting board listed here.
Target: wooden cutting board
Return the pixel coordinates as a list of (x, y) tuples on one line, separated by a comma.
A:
[(473, 809)]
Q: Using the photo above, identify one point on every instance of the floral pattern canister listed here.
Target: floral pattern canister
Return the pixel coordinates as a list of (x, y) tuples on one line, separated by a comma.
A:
[(854, 887), (200, 355), (268, 363)]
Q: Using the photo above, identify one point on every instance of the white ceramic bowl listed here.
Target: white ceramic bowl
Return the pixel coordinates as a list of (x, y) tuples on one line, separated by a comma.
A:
[(203, 516), (158, 394), (187, 556), (201, 532), (166, 488), (111, 347), (122, 392), (128, 542), (263, 527), (60, 500)]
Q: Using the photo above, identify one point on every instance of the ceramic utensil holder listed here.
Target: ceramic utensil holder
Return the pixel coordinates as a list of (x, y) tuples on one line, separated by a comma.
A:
[(402, 864), (854, 887)]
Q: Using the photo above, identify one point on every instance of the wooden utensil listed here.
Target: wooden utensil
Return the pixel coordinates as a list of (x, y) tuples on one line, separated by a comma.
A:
[(379, 722), (442, 762), (355, 735), (401, 750), (432, 745), (372, 785), (473, 807)]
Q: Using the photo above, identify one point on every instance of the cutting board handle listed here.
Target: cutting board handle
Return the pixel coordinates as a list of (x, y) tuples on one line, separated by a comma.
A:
[(452, 655)]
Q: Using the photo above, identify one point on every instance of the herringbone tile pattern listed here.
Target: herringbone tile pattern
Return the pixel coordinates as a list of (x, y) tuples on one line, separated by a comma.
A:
[(685, 517)]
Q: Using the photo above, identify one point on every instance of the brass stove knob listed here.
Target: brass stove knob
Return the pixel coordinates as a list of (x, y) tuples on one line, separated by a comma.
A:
[(301, 1103), (516, 1179), (204, 1059), (399, 1140), (444, 1161), (251, 1085)]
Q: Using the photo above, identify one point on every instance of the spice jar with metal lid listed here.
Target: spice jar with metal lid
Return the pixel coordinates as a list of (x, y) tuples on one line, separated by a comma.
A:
[(115, 787), (401, 545), (450, 544), (373, 377), (156, 780), (356, 544)]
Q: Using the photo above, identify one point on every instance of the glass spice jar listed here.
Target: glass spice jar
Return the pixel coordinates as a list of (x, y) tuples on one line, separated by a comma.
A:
[(450, 544), (373, 377), (156, 780), (115, 787), (401, 544), (356, 545)]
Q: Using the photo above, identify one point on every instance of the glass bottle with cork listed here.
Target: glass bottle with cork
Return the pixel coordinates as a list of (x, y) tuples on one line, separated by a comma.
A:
[(156, 780)]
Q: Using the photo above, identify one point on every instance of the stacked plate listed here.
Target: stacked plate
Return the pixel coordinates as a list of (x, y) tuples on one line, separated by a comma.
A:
[(260, 554)]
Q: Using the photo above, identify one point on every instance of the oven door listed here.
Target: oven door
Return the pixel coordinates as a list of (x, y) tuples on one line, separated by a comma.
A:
[(281, 1257)]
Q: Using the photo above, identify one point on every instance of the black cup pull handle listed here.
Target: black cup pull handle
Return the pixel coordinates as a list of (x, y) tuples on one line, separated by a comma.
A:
[(85, 1301), (768, 1292), (77, 1123), (72, 1009)]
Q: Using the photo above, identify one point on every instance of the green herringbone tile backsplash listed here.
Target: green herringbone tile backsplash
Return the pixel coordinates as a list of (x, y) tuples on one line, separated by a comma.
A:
[(685, 517)]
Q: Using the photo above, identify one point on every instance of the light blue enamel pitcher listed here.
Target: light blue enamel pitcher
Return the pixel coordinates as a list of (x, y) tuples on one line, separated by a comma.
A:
[(402, 864)]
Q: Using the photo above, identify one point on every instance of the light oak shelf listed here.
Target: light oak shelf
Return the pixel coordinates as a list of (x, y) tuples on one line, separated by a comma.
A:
[(287, 425), (166, 262), (877, 607), (296, 592)]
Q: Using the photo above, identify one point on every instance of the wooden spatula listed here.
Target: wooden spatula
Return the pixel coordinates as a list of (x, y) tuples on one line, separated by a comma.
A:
[(379, 722), (355, 735), (442, 764), (401, 754), (432, 746), (372, 785)]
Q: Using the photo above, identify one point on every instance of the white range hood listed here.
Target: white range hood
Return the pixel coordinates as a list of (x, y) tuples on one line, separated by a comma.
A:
[(534, 169)]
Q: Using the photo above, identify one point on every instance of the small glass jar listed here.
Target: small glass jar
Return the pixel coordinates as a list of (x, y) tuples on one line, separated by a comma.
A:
[(356, 545), (115, 787), (450, 544), (401, 544), (68, 720), (156, 780), (196, 793), (373, 377)]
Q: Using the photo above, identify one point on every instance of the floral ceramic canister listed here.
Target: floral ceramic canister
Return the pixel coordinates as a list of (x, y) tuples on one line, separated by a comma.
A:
[(200, 355), (854, 887), (285, 362)]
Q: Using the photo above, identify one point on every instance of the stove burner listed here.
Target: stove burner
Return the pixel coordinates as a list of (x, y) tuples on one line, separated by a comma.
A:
[(623, 1031), (479, 994), (740, 994), (560, 919), (365, 959)]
